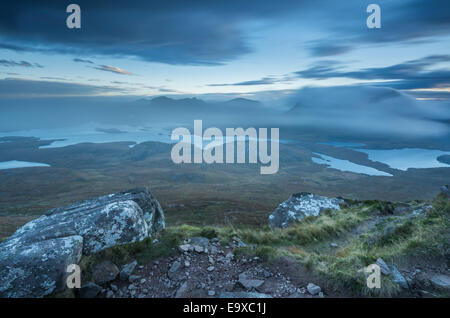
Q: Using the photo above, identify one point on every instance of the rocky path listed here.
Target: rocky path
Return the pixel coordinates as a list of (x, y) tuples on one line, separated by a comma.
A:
[(203, 268)]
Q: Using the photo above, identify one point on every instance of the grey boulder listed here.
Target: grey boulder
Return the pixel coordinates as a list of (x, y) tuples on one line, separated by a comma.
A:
[(34, 259), (441, 282), (313, 289), (90, 290), (301, 205), (38, 268), (127, 270), (398, 278), (383, 266), (105, 272)]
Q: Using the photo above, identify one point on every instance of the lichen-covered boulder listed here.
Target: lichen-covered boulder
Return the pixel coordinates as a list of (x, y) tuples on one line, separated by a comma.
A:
[(46, 244), (152, 211), (301, 205), (38, 269)]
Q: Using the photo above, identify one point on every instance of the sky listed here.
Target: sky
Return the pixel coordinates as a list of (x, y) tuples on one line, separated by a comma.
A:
[(217, 48)]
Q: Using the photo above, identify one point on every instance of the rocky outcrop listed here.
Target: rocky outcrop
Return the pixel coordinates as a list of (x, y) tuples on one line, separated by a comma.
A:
[(38, 268), (33, 261), (441, 282), (151, 209), (445, 191), (301, 205)]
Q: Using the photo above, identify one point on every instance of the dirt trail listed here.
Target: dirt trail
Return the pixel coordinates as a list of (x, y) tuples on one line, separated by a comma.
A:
[(212, 270)]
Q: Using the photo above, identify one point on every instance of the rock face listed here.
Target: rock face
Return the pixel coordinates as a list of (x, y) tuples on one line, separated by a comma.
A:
[(301, 205), (151, 209), (34, 259), (39, 268)]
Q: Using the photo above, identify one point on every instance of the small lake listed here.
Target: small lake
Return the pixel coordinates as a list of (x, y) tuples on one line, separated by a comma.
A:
[(95, 133), (20, 164), (406, 158), (401, 159), (348, 166)]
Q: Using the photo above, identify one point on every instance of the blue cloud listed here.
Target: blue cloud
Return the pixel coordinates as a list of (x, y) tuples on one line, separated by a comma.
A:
[(204, 32), (412, 74)]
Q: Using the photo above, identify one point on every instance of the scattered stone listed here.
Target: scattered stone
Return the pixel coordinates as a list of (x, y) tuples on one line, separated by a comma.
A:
[(420, 210), (299, 295), (200, 241), (198, 249), (127, 270), (269, 285), (313, 289), (90, 290), (249, 283), (211, 293), (229, 255), (239, 242), (243, 295), (398, 278), (181, 292), (185, 248), (105, 272), (383, 266), (334, 245), (210, 268), (441, 282), (187, 264), (133, 278), (174, 269)]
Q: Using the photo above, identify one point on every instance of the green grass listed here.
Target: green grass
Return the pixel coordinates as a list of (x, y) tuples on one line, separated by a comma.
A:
[(327, 225), (426, 236)]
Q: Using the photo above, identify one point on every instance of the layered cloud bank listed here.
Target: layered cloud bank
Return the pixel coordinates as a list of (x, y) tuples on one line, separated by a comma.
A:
[(366, 109)]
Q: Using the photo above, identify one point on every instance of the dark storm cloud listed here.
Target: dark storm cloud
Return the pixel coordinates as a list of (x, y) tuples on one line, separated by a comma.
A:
[(204, 32), (14, 87), (408, 75), (406, 22), (11, 63)]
